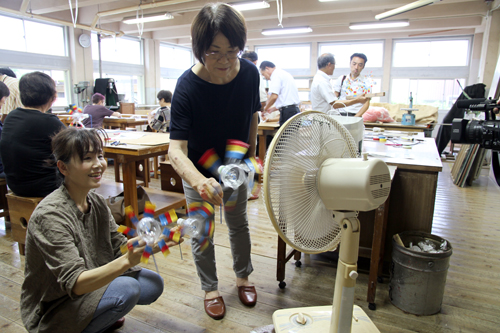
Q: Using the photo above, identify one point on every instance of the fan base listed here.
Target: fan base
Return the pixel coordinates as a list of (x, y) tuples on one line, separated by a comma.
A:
[(318, 320)]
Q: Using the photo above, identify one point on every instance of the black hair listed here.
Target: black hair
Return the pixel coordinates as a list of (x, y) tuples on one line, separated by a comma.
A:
[(72, 140), (250, 55), (360, 55), (4, 90), (215, 18), (36, 89), (166, 95), (7, 71), (325, 59), (265, 64)]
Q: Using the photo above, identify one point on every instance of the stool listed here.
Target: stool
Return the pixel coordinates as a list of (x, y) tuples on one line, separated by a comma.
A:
[(3, 200), (170, 180), (20, 210)]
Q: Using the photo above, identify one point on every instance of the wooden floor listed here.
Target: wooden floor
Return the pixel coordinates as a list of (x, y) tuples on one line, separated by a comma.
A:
[(467, 217)]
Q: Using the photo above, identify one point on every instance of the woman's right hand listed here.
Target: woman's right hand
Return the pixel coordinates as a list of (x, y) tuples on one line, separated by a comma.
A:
[(210, 191)]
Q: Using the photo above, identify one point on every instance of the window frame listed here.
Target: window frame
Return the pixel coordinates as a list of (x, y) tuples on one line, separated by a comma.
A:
[(293, 71)]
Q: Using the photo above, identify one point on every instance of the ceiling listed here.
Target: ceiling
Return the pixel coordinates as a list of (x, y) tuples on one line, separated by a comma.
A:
[(329, 20)]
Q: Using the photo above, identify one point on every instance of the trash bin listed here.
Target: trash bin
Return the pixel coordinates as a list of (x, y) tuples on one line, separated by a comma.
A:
[(418, 278)]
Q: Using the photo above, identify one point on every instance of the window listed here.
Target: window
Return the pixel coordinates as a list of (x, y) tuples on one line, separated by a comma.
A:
[(342, 52), (60, 77), (295, 59), (441, 93), (437, 53), (123, 50), (429, 69), (130, 86), (174, 60), (33, 37)]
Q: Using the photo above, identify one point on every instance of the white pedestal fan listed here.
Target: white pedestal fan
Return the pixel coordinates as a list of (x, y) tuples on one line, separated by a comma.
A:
[(314, 185)]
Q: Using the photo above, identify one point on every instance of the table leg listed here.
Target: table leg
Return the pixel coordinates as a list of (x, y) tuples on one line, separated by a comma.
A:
[(262, 151), (129, 189), (281, 261), (376, 261), (117, 170)]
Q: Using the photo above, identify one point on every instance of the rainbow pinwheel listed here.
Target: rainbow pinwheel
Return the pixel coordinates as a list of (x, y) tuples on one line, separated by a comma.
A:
[(150, 230), (200, 220), (76, 115), (233, 172)]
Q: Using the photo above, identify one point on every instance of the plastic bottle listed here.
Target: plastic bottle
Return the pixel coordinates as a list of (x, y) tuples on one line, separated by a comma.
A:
[(192, 226), (232, 175)]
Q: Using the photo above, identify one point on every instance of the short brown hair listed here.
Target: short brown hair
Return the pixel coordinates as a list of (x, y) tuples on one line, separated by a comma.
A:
[(71, 140), (215, 18)]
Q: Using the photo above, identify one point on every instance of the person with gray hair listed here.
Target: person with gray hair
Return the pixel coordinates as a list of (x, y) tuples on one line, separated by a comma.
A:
[(322, 96)]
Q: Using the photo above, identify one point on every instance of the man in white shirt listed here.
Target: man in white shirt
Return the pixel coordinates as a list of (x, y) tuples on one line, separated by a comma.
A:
[(253, 57), (283, 91), (354, 85), (322, 96)]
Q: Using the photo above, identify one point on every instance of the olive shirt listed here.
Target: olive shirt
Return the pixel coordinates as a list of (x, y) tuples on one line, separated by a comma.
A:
[(61, 243)]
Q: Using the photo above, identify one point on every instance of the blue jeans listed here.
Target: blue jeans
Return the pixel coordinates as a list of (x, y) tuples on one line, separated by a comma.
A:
[(122, 294)]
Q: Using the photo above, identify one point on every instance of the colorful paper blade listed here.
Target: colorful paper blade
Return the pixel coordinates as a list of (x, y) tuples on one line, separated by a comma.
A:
[(210, 161)]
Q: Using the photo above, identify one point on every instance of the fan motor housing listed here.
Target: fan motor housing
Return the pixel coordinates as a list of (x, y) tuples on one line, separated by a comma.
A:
[(353, 184)]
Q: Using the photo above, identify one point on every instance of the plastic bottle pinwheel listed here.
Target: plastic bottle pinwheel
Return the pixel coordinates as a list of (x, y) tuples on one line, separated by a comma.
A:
[(200, 223), (234, 171), (150, 231), (76, 115)]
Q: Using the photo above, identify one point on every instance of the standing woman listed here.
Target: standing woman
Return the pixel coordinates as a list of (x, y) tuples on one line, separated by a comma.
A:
[(215, 100), (76, 279)]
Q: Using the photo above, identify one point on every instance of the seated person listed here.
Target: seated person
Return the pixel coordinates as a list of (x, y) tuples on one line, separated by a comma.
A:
[(159, 119), (4, 93), (97, 111), (26, 136), (71, 284)]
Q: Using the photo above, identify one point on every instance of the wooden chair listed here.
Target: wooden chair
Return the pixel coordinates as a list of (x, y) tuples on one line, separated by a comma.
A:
[(170, 180), (4, 205), (20, 210)]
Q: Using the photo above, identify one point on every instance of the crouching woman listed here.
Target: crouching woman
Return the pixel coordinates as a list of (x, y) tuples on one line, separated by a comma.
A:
[(76, 278)]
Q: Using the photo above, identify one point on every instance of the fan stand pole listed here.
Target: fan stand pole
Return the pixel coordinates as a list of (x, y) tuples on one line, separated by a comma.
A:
[(343, 298)]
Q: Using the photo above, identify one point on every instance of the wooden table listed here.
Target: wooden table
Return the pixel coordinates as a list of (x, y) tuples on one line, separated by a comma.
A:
[(410, 206), (136, 149), (400, 127), (121, 123), (263, 131)]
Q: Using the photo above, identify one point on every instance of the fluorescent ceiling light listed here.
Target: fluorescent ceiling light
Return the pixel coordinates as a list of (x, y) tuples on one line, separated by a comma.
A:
[(241, 6), (379, 25), (327, 0), (148, 18), (286, 31), (406, 8)]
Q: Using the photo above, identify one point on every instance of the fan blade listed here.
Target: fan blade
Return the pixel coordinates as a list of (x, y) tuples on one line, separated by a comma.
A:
[(128, 246), (168, 217), (235, 151), (129, 211), (210, 161), (148, 251), (149, 209), (126, 230), (163, 247)]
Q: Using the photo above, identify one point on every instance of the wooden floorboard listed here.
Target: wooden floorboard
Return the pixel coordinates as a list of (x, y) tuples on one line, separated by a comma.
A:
[(467, 217)]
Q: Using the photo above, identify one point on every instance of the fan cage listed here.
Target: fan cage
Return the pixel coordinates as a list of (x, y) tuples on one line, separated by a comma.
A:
[(290, 183)]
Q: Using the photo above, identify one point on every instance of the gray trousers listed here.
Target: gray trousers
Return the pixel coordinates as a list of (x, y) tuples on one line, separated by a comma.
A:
[(239, 237)]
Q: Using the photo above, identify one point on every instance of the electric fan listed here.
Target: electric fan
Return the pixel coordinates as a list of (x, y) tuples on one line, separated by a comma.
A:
[(314, 185)]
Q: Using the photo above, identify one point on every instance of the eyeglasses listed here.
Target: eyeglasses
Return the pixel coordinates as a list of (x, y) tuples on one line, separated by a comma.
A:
[(216, 55)]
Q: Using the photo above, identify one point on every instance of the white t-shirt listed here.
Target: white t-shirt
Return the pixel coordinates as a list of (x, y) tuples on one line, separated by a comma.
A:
[(350, 87), (262, 90), (283, 85), (321, 92)]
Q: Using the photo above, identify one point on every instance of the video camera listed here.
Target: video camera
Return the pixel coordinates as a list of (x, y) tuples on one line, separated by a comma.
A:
[(486, 132)]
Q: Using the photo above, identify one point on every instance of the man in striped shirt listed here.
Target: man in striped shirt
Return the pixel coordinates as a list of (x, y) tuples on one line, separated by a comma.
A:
[(12, 102)]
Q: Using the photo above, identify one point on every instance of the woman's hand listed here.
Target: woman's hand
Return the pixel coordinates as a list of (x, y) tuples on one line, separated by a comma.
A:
[(134, 253), (210, 191)]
